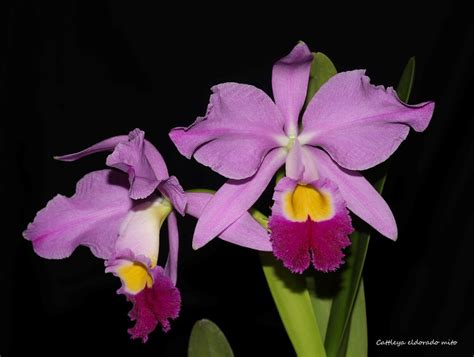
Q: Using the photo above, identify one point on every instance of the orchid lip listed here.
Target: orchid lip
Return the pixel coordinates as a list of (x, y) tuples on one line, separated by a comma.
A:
[(309, 223)]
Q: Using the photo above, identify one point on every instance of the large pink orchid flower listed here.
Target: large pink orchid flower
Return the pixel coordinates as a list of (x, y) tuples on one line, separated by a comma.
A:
[(348, 126)]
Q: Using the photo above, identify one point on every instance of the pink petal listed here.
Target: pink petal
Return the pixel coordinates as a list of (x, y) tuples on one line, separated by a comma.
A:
[(156, 161), (294, 162), (171, 268), (105, 145), (129, 156), (290, 82), (358, 124), (234, 198), (245, 231), (133, 155), (172, 190), (310, 172), (241, 126), (91, 217), (359, 194)]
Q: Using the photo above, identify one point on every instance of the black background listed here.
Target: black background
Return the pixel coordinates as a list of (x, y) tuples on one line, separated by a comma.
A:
[(77, 72)]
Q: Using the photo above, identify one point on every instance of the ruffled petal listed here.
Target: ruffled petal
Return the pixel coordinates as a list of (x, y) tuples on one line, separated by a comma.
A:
[(359, 194), (130, 157), (241, 126), (133, 155), (154, 305), (309, 223), (234, 198), (290, 82), (91, 217), (156, 161), (360, 125), (172, 190), (245, 231)]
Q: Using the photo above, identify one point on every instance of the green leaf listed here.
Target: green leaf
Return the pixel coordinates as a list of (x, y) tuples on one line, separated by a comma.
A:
[(201, 190), (321, 70), (356, 344), (321, 306), (406, 81), (259, 217), (293, 302), (343, 303), (207, 340)]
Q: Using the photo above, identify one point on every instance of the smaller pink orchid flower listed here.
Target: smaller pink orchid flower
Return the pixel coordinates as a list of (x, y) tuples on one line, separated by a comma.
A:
[(348, 126), (118, 214), (119, 219)]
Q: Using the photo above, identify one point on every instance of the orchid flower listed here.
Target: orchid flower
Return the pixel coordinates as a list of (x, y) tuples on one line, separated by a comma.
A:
[(348, 126), (119, 219)]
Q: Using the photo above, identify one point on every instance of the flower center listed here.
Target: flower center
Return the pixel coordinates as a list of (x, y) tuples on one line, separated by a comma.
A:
[(306, 201), (135, 277), (291, 141)]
